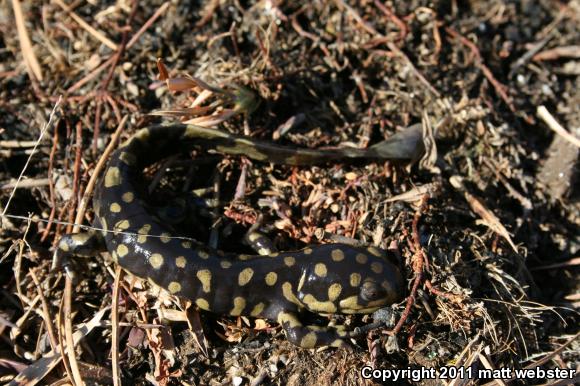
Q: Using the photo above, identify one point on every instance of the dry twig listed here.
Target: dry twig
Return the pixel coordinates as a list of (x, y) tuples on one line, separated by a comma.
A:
[(30, 59), (553, 124)]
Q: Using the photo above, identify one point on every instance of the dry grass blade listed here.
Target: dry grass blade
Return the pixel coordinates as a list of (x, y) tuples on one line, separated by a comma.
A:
[(487, 364), (99, 35), (545, 359), (553, 124), (558, 52), (68, 284), (194, 323), (467, 357), (415, 194), (26, 46), (182, 113), (36, 372), (40, 137), (17, 144), (487, 217), (115, 328), (564, 264), (68, 350), (100, 165), (25, 184), (45, 311)]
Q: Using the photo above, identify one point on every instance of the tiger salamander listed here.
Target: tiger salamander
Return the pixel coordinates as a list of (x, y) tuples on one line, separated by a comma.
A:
[(324, 279)]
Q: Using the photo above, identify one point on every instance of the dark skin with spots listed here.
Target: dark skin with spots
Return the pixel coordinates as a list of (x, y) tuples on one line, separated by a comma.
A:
[(324, 279)]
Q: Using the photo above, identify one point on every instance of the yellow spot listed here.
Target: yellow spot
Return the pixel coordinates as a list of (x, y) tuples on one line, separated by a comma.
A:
[(122, 250), (239, 305), (289, 319), (225, 264), (350, 305), (308, 340), (122, 225), (377, 267), (263, 251), (317, 306), (156, 260), (334, 291), (174, 287), (289, 261), (165, 237), (142, 135), (128, 197), (375, 251), (63, 245), (245, 276), (289, 295), (361, 258), (112, 177), (186, 244), (271, 278), (202, 303), (307, 251), (244, 257), (340, 327), (180, 261), (114, 256), (337, 255), (337, 343), (128, 158), (143, 232), (355, 279), (81, 238), (204, 277), (257, 310), (320, 270), (350, 302), (202, 254), (253, 237), (115, 207)]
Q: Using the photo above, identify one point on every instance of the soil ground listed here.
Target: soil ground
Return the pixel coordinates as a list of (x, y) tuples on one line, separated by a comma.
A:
[(485, 222)]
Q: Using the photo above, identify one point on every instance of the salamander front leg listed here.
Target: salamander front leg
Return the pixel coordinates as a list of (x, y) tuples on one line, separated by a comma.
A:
[(77, 244), (312, 336)]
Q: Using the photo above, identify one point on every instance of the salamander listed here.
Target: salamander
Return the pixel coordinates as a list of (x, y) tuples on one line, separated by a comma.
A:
[(281, 286)]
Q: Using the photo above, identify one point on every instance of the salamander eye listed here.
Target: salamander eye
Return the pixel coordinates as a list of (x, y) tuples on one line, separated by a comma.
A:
[(370, 291)]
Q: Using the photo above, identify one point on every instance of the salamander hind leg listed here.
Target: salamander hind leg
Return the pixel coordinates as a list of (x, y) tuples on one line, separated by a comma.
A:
[(312, 336)]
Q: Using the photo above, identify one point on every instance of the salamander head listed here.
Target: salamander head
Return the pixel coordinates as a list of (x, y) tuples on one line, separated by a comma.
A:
[(349, 280)]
